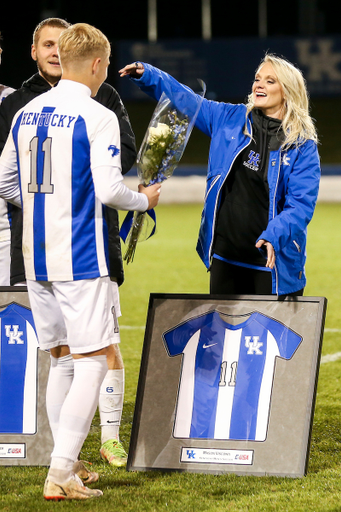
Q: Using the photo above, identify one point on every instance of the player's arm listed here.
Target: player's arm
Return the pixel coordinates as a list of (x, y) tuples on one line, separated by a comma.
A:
[(111, 191), (9, 186), (9, 178), (106, 171)]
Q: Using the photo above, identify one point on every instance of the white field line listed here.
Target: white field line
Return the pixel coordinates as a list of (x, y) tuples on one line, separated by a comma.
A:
[(328, 358), (132, 327)]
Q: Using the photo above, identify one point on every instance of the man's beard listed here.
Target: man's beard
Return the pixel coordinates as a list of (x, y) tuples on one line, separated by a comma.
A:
[(51, 79)]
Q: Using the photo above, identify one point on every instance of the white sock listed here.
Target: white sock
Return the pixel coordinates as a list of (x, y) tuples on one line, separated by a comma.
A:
[(111, 404), (79, 407), (59, 382), (60, 470)]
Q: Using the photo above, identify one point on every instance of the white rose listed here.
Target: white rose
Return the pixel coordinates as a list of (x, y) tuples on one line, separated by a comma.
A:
[(161, 131)]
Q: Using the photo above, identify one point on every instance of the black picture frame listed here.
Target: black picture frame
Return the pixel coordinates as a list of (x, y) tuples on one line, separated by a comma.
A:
[(284, 448)]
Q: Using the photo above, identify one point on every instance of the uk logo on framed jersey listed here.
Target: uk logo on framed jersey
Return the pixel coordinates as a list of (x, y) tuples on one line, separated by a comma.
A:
[(25, 435), (226, 382)]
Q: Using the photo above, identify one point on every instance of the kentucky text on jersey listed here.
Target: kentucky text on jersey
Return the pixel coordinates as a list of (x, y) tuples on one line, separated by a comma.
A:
[(47, 119), (18, 371), (227, 374)]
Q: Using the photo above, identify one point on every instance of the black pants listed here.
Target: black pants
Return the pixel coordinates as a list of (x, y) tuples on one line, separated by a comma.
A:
[(227, 279)]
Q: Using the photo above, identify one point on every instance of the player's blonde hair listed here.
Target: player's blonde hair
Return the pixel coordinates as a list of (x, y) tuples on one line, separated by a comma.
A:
[(297, 124), (80, 42)]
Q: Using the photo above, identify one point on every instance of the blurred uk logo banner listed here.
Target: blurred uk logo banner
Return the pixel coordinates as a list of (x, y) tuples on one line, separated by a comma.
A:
[(321, 60), (216, 456), (236, 59)]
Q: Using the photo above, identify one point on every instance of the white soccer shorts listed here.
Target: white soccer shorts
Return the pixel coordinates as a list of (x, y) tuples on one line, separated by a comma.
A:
[(81, 314)]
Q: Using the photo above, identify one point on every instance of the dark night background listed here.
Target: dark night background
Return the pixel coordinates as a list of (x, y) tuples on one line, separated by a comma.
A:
[(176, 20)]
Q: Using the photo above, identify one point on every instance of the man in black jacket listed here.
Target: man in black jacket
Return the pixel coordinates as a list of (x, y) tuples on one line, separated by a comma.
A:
[(44, 52)]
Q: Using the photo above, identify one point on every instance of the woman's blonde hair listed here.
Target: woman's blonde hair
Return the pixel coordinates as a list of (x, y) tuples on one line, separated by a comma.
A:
[(297, 124), (81, 41)]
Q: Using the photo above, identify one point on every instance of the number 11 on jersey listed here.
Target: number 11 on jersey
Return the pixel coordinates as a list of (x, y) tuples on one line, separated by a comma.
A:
[(45, 187), (233, 374)]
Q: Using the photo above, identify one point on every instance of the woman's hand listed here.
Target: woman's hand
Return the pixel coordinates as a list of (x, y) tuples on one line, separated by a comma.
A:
[(135, 70), (270, 262)]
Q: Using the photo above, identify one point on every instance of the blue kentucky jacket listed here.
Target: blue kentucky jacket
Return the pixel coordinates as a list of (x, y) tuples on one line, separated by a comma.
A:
[(293, 178)]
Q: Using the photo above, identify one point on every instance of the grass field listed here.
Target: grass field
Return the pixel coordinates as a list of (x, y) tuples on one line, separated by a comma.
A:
[(168, 263)]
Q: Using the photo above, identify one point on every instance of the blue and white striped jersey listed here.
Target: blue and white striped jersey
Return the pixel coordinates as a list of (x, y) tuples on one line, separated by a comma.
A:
[(227, 374), (5, 228), (18, 371), (60, 142)]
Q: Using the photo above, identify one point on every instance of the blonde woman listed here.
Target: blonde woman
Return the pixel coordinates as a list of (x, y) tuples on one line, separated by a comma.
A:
[(262, 181)]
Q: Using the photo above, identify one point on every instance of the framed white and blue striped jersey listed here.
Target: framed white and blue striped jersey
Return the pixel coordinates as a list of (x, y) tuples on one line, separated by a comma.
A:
[(18, 371), (227, 374), (56, 143)]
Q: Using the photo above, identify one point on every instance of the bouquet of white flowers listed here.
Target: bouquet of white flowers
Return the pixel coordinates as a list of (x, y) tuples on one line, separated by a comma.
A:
[(160, 152)]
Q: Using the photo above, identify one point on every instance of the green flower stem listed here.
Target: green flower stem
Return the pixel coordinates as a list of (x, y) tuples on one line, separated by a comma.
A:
[(134, 235)]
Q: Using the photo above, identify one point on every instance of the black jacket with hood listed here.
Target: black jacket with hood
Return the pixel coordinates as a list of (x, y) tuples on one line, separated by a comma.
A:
[(244, 209), (108, 97)]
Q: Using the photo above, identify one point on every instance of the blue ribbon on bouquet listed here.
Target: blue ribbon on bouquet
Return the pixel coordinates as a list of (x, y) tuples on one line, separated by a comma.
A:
[(128, 221)]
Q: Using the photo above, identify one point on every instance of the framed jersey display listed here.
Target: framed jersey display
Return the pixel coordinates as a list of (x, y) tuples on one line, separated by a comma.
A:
[(227, 384), (25, 435)]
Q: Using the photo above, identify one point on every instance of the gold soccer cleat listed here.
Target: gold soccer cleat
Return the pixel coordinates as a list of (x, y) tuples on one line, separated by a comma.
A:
[(72, 489)]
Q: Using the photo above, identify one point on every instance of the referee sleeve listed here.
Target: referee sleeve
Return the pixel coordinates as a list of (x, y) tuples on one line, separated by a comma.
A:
[(111, 190)]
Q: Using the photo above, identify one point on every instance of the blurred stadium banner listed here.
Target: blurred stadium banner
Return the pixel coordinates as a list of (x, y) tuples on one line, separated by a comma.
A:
[(227, 65), (187, 185)]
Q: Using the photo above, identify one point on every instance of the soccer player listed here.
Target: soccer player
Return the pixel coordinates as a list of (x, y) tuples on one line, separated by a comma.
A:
[(5, 234), (62, 162), (44, 53)]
